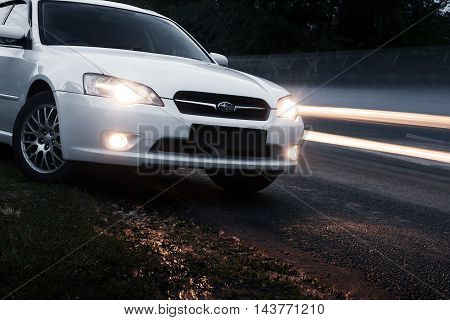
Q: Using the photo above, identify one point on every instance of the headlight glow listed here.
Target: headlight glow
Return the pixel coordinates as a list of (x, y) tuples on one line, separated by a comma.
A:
[(287, 108), (123, 91)]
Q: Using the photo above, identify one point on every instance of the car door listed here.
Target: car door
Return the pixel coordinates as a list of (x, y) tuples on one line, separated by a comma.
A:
[(16, 67)]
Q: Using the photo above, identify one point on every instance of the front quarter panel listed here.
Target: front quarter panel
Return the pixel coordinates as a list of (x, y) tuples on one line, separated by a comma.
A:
[(63, 67)]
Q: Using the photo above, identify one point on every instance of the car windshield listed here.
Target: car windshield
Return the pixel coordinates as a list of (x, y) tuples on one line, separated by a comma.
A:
[(77, 24)]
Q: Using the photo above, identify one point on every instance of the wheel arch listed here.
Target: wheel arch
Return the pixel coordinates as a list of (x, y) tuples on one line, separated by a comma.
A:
[(39, 84)]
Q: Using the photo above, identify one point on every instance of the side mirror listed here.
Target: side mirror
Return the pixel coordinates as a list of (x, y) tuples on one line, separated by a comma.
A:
[(220, 59), (12, 33)]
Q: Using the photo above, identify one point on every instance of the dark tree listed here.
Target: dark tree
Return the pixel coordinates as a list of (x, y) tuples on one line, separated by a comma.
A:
[(270, 26)]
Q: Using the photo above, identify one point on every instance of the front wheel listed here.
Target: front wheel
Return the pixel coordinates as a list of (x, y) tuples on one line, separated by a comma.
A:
[(37, 141), (243, 182)]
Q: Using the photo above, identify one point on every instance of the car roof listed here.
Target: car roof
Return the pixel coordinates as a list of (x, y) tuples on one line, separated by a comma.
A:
[(105, 4)]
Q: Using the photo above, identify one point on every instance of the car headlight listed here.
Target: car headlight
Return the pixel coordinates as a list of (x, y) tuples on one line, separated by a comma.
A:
[(123, 91), (287, 108)]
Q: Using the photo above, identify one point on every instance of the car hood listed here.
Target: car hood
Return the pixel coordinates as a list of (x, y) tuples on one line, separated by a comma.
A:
[(167, 75)]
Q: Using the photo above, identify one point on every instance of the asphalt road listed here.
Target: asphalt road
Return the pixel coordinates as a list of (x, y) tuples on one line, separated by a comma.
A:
[(361, 225)]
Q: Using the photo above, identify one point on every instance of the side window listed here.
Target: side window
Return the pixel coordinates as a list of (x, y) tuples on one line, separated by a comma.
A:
[(3, 12), (19, 16)]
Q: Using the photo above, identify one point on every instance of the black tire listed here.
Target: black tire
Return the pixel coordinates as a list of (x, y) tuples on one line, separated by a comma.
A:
[(65, 170), (242, 182)]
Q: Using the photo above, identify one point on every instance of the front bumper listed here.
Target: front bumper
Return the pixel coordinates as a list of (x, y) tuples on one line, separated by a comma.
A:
[(83, 120)]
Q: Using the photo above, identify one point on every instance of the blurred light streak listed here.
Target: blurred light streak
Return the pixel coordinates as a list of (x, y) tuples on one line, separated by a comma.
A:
[(370, 145), (377, 116)]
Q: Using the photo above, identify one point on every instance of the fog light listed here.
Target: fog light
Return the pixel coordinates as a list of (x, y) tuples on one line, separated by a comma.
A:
[(118, 141), (293, 153)]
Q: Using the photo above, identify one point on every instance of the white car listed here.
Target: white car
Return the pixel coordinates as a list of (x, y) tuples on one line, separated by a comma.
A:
[(102, 82)]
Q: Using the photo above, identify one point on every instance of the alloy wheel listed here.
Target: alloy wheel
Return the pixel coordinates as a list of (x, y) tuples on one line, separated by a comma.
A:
[(41, 141)]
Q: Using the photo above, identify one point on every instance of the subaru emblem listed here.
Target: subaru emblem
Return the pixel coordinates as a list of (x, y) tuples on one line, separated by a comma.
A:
[(226, 107)]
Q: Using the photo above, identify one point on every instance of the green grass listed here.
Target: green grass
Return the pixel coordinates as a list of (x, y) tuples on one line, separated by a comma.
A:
[(147, 255)]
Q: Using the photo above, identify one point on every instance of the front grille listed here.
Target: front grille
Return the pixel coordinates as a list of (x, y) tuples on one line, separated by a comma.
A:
[(221, 142), (206, 104)]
